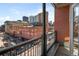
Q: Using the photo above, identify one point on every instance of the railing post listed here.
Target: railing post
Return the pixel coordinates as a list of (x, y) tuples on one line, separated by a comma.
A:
[(44, 41), (55, 36)]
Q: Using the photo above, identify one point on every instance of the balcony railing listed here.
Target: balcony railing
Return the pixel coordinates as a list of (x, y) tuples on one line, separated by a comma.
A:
[(31, 47)]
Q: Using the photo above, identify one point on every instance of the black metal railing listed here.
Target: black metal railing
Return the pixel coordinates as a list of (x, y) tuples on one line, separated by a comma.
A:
[(51, 40), (27, 48), (31, 47)]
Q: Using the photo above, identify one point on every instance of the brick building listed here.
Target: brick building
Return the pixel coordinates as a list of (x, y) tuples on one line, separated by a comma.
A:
[(24, 29)]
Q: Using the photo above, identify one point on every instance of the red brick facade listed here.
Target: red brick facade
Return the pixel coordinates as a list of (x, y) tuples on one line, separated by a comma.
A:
[(62, 23), (26, 32)]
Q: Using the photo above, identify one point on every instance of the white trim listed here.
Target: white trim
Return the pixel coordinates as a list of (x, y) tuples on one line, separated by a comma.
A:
[(71, 20), (71, 29)]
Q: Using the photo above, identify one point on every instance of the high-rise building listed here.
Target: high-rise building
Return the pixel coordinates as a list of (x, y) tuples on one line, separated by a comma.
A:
[(25, 18), (40, 17), (31, 19), (36, 19)]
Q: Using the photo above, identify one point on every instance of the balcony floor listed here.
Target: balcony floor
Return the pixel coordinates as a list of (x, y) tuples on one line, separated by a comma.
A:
[(61, 51)]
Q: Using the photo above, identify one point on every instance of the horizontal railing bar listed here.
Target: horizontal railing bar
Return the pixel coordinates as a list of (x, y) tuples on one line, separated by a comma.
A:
[(50, 47), (53, 50), (51, 33), (33, 41), (28, 48), (4, 50)]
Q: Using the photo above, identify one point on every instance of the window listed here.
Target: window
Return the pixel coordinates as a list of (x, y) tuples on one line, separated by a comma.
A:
[(50, 13)]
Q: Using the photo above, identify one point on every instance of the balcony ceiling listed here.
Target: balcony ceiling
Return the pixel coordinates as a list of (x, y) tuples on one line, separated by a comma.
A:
[(62, 4)]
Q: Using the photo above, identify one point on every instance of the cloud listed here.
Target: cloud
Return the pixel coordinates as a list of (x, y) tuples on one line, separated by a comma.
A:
[(37, 11), (76, 11), (3, 19), (31, 12), (15, 11), (7, 18), (26, 12)]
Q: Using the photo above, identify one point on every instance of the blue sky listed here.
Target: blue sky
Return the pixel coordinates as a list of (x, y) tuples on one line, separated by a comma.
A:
[(15, 11), (76, 10)]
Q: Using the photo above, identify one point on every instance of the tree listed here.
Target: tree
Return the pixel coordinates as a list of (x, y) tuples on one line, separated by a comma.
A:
[(2, 28), (50, 23)]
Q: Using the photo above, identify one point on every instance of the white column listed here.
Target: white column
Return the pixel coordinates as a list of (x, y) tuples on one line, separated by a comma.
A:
[(71, 30)]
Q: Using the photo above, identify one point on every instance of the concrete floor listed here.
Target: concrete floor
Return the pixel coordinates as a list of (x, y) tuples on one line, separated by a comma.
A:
[(64, 50), (61, 51)]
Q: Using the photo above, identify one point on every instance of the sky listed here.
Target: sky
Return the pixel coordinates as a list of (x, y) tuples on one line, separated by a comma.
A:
[(76, 10), (15, 11)]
